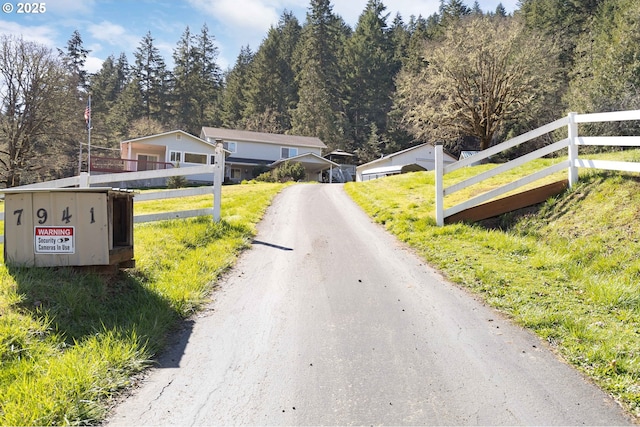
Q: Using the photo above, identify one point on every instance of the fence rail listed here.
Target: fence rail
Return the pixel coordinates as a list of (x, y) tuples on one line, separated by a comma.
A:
[(571, 164), (217, 176), (115, 165)]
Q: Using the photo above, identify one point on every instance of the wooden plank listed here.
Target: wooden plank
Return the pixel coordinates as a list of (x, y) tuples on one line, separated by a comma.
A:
[(507, 188), (510, 203)]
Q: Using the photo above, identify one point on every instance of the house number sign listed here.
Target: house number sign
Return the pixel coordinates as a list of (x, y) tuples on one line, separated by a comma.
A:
[(53, 239)]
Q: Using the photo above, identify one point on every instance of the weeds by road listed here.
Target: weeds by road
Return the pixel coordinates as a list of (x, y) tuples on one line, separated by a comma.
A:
[(569, 270), (70, 339)]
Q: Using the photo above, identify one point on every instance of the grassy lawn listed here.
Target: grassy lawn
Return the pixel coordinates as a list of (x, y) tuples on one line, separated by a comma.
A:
[(568, 271), (69, 339)]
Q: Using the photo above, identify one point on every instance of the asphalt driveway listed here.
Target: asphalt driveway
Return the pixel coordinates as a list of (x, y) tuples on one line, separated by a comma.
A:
[(328, 320)]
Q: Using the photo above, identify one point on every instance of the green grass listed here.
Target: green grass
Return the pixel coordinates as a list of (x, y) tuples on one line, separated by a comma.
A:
[(568, 271), (70, 339)]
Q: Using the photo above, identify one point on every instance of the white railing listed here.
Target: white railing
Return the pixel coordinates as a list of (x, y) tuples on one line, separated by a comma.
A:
[(217, 176), (573, 141)]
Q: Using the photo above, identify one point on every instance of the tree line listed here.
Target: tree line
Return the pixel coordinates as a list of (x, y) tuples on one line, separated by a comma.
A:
[(462, 76)]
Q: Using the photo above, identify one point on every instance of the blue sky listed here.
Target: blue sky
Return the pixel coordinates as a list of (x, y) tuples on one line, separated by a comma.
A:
[(109, 27)]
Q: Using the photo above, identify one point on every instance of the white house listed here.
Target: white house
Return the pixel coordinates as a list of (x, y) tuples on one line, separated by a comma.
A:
[(420, 157), (166, 150), (254, 152), (247, 153)]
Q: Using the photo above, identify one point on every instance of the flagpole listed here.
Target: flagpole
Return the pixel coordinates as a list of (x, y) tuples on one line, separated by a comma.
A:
[(89, 135)]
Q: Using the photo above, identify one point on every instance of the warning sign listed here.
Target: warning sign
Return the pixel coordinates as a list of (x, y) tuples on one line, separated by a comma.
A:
[(54, 240)]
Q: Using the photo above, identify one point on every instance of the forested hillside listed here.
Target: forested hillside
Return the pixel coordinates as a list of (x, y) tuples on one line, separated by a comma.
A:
[(465, 76)]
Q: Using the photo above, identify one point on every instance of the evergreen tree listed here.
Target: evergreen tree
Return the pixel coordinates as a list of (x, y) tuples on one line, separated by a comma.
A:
[(117, 122), (108, 82), (320, 111), (186, 73), (123, 72), (421, 30), (475, 9), (563, 20), (105, 89), (125, 111), (501, 11), (234, 95), (75, 58), (452, 12), (400, 38), (368, 78), (210, 79), (372, 148), (197, 81), (271, 88), (607, 72), (153, 80)]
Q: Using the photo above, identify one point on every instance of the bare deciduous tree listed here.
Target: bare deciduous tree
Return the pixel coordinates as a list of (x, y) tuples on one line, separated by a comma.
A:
[(483, 72), (36, 101)]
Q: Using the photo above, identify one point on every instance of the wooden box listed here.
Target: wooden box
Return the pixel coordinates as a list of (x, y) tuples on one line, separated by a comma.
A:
[(68, 227)]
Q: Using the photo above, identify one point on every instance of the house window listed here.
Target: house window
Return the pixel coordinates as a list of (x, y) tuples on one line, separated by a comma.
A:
[(230, 146), (147, 162), (236, 173), (195, 158), (287, 152), (175, 156)]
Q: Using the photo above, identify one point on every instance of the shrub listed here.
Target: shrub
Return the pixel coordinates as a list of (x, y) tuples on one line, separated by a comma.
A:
[(290, 172), (177, 182), (266, 177), (260, 169)]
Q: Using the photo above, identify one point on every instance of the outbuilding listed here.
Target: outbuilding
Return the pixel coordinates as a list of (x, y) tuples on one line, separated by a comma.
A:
[(418, 158)]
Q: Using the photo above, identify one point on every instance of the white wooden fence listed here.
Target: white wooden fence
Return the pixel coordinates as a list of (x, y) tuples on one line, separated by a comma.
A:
[(573, 162), (217, 177)]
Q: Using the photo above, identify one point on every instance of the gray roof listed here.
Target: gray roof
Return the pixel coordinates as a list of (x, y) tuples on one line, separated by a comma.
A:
[(267, 138), (141, 138)]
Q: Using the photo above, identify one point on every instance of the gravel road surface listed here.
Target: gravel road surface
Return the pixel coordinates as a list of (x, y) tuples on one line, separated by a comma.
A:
[(328, 320)]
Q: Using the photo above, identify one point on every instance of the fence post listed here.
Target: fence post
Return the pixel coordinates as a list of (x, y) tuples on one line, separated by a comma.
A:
[(439, 172), (573, 150), (218, 177), (83, 180)]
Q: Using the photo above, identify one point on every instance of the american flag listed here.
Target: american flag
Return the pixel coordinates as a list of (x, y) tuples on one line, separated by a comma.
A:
[(87, 113)]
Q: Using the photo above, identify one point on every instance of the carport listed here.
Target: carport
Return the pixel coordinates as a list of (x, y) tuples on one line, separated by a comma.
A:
[(383, 171), (312, 163)]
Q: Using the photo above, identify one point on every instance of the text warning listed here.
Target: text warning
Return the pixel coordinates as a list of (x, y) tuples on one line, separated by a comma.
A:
[(54, 240)]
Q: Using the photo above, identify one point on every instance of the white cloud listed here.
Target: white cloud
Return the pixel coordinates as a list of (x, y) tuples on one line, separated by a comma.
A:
[(254, 16), (41, 34), (109, 32), (69, 8), (93, 64)]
